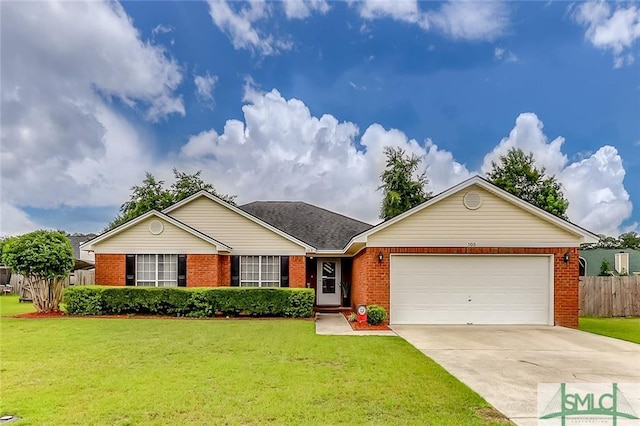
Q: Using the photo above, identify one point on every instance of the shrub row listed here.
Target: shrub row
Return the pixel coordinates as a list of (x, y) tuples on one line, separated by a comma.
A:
[(193, 302)]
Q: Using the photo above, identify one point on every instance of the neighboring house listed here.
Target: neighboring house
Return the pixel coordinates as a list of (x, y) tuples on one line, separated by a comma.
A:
[(621, 261), (83, 259), (474, 254)]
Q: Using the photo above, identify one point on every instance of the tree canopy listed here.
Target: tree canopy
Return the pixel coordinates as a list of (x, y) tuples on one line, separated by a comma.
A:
[(626, 240), (402, 188), (152, 195), (516, 173), (45, 259)]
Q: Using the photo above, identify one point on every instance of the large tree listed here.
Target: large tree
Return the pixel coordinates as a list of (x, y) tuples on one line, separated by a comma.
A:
[(152, 195), (516, 173), (629, 240), (45, 259), (402, 187)]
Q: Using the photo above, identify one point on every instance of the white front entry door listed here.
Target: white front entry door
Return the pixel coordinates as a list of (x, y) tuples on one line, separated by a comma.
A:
[(328, 288)]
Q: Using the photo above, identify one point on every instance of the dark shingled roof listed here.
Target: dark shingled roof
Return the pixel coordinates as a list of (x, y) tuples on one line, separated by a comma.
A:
[(76, 240), (318, 227)]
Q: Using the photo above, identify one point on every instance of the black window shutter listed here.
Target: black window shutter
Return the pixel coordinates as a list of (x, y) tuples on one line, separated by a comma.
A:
[(284, 271), (182, 270), (235, 271), (130, 270)]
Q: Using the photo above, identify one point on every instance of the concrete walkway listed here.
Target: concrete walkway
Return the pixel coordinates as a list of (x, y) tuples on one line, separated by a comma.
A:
[(337, 325), (506, 364)]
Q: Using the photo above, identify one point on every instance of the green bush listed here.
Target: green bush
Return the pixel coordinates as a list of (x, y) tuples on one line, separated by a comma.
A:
[(193, 302), (376, 314)]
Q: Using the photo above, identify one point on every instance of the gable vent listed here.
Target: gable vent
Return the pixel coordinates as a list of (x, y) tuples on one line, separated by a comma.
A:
[(156, 227), (472, 200)]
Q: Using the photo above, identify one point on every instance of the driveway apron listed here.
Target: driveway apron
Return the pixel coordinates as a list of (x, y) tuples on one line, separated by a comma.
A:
[(504, 364)]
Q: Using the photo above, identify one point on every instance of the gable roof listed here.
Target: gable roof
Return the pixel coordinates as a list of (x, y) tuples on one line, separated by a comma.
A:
[(587, 236), (242, 213), (219, 245), (321, 228), (595, 256)]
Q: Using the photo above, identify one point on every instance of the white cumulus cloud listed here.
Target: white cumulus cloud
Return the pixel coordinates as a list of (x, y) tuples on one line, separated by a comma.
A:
[(62, 142), (300, 9), (594, 186), (611, 28), (204, 87), (239, 24), (279, 151), (14, 221), (297, 156), (461, 20)]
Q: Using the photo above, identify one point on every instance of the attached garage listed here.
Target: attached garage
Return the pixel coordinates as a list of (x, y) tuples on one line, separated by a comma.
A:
[(471, 289), (474, 254)]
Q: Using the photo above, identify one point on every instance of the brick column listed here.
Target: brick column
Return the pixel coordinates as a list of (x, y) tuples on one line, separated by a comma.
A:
[(297, 271)]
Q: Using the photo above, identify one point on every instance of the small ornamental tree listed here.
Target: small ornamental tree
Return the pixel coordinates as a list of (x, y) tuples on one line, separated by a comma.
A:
[(605, 269), (45, 259), (402, 187)]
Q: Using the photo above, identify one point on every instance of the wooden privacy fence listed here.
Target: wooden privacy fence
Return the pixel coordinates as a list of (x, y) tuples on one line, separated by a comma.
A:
[(610, 296), (79, 277)]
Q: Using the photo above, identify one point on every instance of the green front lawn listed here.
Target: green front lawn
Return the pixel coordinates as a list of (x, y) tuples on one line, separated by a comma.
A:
[(238, 372), (10, 305), (620, 328)]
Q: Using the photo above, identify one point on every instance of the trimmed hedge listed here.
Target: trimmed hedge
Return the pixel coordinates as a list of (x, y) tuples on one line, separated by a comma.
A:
[(189, 302)]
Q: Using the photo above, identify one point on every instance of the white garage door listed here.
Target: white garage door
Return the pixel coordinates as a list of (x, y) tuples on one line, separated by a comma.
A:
[(467, 289)]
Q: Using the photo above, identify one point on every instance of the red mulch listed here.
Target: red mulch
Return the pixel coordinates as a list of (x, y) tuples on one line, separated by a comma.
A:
[(56, 314), (364, 325)]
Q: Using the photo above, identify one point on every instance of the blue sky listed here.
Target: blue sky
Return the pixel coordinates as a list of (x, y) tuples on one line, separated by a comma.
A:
[(296, 100)]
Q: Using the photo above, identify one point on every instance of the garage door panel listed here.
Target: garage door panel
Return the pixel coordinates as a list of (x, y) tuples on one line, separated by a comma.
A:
[(463, 289)]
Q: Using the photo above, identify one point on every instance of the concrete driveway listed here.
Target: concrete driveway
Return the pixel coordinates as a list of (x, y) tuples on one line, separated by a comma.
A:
[(504, 364)]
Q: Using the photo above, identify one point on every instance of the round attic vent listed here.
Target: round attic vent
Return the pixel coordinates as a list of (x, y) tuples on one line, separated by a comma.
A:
[(156, 227), (472, 200)]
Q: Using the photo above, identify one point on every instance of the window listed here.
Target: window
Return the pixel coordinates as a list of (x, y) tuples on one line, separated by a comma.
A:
[(259, 271), (157, 270)]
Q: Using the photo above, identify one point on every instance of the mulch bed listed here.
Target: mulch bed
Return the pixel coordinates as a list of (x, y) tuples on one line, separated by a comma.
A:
[(359, 326), (40, 315)]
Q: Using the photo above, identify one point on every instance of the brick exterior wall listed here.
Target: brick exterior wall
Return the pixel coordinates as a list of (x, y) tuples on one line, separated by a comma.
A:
[(297, 272), (202, 270), (224, 271), (111, 269), (370, 279)]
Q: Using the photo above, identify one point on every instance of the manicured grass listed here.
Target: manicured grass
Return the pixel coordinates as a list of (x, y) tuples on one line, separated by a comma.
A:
[(237, 372), (620, 328), (10, 305)]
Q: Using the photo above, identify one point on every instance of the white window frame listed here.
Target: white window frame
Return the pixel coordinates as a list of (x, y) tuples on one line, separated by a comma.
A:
[(156, 281), (261, 281)]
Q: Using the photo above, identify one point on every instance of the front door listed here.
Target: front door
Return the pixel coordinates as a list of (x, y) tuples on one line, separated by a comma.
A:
[(328, 288)]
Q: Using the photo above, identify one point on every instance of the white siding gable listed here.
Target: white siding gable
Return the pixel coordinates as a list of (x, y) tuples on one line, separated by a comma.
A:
[(138, 239), (496, 223), (243, 235)]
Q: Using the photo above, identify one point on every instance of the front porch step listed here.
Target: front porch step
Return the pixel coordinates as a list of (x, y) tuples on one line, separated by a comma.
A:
[(331, 309)]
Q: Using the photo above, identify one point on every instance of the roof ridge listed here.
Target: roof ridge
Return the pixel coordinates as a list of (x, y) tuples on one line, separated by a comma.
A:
[(312, 205)]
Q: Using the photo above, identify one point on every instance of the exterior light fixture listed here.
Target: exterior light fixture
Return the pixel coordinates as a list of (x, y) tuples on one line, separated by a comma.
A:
[(566, 257), (380, 257)]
